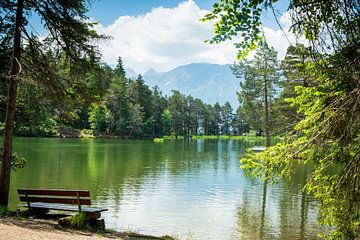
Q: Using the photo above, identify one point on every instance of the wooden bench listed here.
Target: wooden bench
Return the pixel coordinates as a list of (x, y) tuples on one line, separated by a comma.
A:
[(40, 201)]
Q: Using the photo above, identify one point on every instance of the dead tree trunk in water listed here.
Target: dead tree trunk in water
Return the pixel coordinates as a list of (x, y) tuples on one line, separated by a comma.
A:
[(10, 110)]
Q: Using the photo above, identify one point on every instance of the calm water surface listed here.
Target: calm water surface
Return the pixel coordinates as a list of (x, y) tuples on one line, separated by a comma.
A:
[(189, 189)]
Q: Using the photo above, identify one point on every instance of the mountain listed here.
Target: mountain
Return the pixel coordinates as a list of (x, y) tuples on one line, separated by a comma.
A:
[(130, 73), (209, 82)]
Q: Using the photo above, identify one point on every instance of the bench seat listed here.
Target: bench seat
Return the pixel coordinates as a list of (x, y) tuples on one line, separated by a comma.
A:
[(65, 207), (41, 201)]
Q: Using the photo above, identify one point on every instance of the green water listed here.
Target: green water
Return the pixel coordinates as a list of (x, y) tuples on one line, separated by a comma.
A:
[(189, 189)]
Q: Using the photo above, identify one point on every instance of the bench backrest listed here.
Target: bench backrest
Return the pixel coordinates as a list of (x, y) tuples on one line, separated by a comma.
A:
[(73, 197)]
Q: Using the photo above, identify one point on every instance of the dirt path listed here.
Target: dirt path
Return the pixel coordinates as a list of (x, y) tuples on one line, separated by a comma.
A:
[(35, 229), (11, 229)]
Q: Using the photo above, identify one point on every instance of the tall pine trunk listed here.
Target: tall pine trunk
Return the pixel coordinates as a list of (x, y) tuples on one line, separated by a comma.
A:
[(267, 127), (10, 111)]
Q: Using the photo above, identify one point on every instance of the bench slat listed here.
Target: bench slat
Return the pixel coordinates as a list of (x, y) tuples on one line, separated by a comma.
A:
[(64, 207), (55, 200), (55, 192)]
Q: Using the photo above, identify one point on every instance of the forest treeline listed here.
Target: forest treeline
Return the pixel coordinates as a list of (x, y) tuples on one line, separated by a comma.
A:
[(105, 102), (108, 103), (62, 90)]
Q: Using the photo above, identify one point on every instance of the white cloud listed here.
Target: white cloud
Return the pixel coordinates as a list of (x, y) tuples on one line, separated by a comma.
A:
[(281, 39), (166, 38)]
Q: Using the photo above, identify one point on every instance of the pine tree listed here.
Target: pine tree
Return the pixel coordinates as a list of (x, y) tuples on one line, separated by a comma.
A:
[(261, 77), (227, 116), (68, 32)]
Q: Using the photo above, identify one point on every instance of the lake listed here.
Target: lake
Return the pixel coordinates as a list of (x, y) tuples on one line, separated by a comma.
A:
[(188, 189)]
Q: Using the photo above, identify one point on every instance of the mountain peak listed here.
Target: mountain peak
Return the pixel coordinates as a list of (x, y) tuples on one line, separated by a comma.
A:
[(151, 71), (130, 73), (209, 82)]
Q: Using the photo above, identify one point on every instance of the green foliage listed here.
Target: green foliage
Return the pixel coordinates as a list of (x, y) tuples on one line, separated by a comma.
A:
[(172, 137), (98, 118), (294, 75), (16, 161), (77, 221), (111, 104), (166, 119), (119, 69), (4, 211), (227, 116), (237, 16), (135, 121), (261, 78), (328, 135), (158, 140), (325, 93)]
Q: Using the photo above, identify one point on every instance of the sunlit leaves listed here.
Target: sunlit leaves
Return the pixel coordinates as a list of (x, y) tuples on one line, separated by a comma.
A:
[(237, 17), (16, 161)]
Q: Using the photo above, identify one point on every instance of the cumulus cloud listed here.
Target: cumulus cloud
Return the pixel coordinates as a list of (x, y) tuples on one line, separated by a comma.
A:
[(280, 39), (165, 38)]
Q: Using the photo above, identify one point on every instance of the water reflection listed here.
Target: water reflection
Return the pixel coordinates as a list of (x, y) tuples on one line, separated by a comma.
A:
[(177, 187), (286, 211)]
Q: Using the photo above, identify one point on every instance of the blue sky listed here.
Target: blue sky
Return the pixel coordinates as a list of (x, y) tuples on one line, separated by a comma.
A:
[(107, 11), (163, 34)]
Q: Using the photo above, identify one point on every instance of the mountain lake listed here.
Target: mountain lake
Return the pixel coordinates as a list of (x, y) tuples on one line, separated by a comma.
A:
[(190, 189)]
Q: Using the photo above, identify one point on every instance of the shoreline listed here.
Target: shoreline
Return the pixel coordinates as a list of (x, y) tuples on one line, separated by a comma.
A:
[(24, 229)]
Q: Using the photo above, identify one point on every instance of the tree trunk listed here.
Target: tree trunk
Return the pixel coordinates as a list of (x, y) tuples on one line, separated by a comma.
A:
[(267, 131), (130, 133), (10, 111)]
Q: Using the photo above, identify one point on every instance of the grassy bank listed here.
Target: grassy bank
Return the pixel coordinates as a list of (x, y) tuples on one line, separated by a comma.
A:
[(195, 137)]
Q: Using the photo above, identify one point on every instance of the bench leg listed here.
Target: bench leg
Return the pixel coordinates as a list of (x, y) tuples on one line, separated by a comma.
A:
[(98, 224), (39, 212)]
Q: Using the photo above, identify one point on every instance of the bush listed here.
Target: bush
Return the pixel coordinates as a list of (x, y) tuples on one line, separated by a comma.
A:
[(78, 221)]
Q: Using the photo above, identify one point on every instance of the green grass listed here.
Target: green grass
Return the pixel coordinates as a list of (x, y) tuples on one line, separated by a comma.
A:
[(158, 140), (228, 137), (18, 215), (172, 137), (250, 137), (4, 212), (77, 221), (86, 133)]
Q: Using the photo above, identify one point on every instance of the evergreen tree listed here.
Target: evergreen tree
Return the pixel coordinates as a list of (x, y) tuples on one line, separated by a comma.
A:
[(136, 119), (238, 124), (159, 104), (227, 117), (166, 122), (177, 108), (216, 119), (261, 77), (67, 30), (118, 104), (119, 69), (295, 74)]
